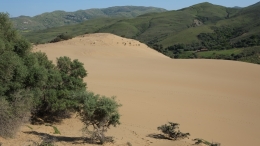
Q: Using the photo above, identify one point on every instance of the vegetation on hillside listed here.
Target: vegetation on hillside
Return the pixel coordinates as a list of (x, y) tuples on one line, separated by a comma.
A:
[(32, 87), (217, 45), (61, 37), (61, 18), (185, 33), (91, 26)]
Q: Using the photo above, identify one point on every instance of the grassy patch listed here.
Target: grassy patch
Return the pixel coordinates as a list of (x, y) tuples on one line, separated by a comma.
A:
[(56, 131)]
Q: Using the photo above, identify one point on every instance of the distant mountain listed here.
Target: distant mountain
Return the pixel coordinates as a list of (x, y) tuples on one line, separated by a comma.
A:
[(166, 28), (182, 33), (61, 18)]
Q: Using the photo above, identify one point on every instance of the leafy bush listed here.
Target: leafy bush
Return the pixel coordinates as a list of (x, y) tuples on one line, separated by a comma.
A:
[(172, 131), (100, 112), (55, 87), (34, 76)]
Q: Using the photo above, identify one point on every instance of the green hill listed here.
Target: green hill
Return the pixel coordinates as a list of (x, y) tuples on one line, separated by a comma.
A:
[(61, 18), (184, 33), (147, 27)]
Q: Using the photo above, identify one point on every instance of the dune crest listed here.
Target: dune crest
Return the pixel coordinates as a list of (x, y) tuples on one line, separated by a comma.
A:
[(104, 45), (215, 100)]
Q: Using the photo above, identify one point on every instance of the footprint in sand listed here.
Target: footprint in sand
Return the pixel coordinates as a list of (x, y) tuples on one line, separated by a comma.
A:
[(145, 141)]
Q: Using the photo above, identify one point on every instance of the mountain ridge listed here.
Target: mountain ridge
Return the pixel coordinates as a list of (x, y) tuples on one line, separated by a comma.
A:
[(169, 23), (180, 33), (60, 18)]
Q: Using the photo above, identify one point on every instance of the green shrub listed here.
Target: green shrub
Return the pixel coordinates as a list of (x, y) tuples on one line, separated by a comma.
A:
[(172, 131), (49, 86), (54, 86), (100, 112)]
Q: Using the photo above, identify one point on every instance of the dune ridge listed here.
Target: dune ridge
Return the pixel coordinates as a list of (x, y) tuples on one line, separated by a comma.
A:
[(215, 100)]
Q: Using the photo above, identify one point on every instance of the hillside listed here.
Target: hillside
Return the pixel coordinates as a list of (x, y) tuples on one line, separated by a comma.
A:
[(182, 33), (61, 18), (147, 27)]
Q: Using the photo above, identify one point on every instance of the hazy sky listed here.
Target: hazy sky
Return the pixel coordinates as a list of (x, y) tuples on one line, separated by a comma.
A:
[(34, 7)]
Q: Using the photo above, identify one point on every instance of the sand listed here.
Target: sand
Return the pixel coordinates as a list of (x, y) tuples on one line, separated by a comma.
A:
[(215, 100)]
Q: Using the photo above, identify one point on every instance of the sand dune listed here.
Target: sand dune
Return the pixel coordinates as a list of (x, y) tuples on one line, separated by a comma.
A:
[(211, 99)]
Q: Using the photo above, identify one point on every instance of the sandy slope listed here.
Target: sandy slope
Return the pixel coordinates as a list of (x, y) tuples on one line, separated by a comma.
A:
[(212, 99)]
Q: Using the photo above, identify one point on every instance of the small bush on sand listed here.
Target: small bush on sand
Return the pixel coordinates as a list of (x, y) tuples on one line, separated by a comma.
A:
[(172, 131), (99, 113)]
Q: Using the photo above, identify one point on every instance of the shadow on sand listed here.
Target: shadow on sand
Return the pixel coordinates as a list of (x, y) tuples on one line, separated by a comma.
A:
[(158, 136), (53, 138)]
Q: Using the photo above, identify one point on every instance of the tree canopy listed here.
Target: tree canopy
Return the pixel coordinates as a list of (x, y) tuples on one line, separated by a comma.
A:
[(30, 83)]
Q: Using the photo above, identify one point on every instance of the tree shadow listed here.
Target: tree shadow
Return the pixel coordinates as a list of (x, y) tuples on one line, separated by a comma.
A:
[(72, 140), (52, 118), (158, 136)]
